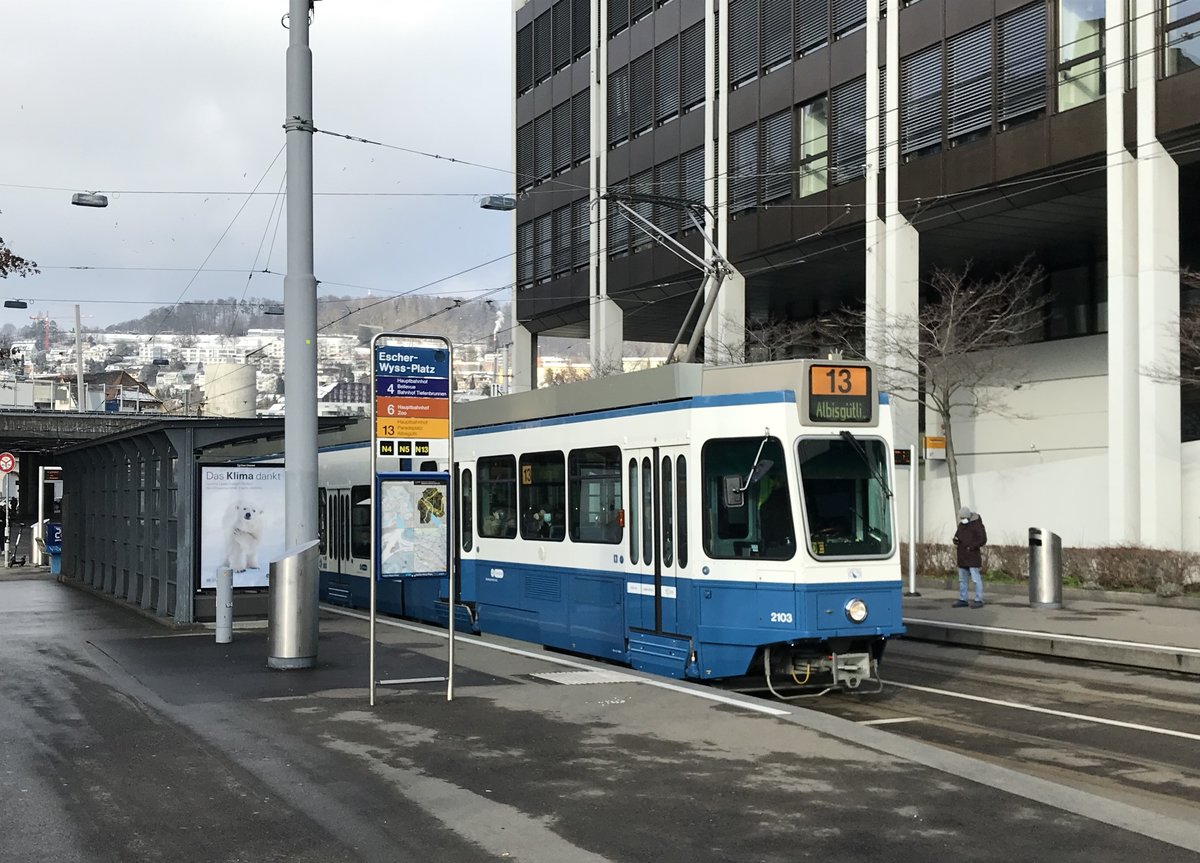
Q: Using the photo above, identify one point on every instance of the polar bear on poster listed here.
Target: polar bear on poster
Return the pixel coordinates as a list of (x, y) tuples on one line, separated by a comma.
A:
[(243, 530)]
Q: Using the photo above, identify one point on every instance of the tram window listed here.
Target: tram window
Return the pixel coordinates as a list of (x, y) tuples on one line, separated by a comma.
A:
[(322, 512), (360, 521), (594, 495), (757, 523), (497, 511), (847, 505), (668, 553), (543, 495), (464, 510), (681, 549), (647, 511), (344, 540), (634, 536)]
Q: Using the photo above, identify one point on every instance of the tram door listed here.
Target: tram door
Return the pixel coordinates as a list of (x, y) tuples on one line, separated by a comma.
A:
[(653, 532), (345, 545)]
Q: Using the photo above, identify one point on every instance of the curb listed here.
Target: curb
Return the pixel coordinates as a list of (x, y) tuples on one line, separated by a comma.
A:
[(1076, 647)]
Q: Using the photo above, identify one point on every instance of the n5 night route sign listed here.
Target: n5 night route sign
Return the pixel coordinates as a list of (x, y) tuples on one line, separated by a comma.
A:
[(412, 397), (839, 392)]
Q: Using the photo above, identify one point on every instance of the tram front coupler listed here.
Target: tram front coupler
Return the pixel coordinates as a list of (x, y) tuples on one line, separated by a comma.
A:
[(844, 669)]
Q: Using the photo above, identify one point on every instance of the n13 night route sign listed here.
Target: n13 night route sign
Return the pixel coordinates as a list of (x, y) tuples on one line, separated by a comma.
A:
[(412, 397)]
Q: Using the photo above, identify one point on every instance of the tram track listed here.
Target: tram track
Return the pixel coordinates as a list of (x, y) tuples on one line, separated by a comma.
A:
[(1123, 735)]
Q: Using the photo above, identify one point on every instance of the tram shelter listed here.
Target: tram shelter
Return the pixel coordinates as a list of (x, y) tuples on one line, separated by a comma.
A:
[(131, 514)]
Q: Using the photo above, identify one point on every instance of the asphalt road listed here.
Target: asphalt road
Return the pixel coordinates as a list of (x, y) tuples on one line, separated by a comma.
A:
[(121, 741)]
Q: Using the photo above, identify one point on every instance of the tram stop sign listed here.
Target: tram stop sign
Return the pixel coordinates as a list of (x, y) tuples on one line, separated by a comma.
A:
[(7, 462)]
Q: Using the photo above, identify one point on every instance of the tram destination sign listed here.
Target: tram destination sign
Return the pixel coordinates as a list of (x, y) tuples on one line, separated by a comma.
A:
[(411, 400), (840, 393)]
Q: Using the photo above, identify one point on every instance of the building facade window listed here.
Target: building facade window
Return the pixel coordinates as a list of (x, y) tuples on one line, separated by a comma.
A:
[(848, 16), (775, 141), (814, 147), (921, 102), (543, 147), (642, 183), (1181, 36), (666, 182), (743, 41), (525, 175), (969, 86), (848, 130), (542, 57), (691, 67), (743, 169), (581, 216), (543, 247), (1080, 52), (581, 127), (618, 107), (524, 59), (666, 81), (525, 255), (776, 36), (1021, 45), (812, 25), (641, 94)]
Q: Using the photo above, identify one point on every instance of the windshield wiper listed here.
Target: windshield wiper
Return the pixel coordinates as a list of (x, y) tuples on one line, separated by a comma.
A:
[(862, 453)]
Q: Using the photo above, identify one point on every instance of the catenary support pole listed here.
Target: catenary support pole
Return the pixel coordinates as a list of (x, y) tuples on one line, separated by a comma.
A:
[(300, 311)]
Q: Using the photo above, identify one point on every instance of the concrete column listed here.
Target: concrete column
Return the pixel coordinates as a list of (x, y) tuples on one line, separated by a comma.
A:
[(725, 330), (607, 334), (524, 355), (1124, 488), (606, 318), (1158, 306), (725, 334), (875, 234), (901, 252)]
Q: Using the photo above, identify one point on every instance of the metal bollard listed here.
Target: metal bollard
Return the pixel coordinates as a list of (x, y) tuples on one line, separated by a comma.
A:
[(1045, 568), (292, 622), (224, 605)]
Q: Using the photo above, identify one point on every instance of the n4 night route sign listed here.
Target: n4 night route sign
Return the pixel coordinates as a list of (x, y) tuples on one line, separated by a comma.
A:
[(412, 397)]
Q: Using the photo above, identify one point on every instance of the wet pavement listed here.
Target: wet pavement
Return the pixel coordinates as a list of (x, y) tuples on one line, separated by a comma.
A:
[(122, 739)]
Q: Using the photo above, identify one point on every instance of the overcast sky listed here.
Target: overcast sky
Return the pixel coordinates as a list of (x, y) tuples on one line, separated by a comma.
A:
[(149, 101)]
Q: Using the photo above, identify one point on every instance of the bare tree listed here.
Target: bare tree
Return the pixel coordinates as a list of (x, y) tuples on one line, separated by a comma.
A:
[(13, 264), (953, 360)]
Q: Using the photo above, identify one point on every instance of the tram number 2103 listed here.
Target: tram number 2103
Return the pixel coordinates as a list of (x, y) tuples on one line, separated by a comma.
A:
[(782, 617)]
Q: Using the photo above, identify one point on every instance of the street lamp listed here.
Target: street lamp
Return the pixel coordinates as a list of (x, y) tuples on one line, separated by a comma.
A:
[(89, 199), (503, 203)]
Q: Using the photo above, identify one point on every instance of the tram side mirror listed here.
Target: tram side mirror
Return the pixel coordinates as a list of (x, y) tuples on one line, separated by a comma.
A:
[(733, 496)]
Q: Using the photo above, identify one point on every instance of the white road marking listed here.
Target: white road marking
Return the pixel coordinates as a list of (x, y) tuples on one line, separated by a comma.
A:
[(557, 660), (890, 721), (1099, 720)]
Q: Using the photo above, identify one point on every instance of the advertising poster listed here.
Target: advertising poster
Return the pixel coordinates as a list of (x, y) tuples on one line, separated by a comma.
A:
[(241, 522), (413, 539)]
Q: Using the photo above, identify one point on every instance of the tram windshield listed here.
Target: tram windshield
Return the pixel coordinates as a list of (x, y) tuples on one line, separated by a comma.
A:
[(847, 503)]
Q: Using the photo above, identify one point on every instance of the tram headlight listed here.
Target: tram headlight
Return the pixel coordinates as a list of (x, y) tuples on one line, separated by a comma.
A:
[(856, 610)]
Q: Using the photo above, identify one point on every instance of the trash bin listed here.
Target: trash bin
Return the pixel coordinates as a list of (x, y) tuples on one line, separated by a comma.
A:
[(294, 585), (1045, 568)]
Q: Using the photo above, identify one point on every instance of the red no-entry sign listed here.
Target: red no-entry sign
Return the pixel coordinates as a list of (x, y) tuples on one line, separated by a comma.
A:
[(7, 462)]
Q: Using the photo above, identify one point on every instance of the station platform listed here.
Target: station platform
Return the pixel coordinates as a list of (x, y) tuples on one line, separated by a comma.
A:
[(1138, 630), (122, 739)]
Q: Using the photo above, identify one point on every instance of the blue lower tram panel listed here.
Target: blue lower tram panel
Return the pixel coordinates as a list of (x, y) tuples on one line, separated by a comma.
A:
[(719, 627)]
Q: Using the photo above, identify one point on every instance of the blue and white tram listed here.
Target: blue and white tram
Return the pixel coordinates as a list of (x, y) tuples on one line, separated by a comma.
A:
[(695, 522)]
